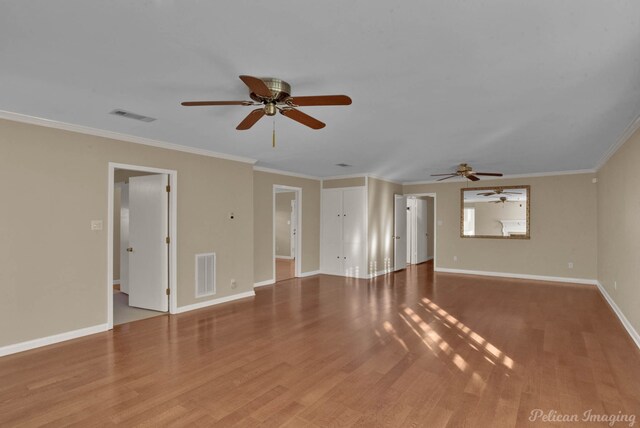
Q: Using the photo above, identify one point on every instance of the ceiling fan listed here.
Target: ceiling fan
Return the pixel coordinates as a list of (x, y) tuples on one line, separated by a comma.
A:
[(464, 170), (498, 191), (273, 95), (502, 200)]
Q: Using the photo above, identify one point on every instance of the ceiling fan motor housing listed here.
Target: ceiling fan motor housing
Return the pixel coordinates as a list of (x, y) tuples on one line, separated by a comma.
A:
[(280, 90)]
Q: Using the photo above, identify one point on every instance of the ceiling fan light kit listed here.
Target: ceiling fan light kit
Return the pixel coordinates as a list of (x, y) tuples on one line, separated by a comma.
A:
[(274, 95)]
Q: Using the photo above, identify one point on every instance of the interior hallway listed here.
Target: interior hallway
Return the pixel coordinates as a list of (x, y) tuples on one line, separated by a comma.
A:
[(407, 348), (285, 269)]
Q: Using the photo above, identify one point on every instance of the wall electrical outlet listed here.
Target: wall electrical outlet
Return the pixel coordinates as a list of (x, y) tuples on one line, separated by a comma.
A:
[(234, 284), (570, 265), (455, 258), (96, 224)]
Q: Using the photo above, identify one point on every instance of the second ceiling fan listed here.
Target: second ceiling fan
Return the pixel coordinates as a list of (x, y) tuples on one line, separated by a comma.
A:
[(465, 170), (274, 95)]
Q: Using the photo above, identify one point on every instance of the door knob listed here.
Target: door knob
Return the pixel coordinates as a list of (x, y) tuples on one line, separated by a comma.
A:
[(130, 250)]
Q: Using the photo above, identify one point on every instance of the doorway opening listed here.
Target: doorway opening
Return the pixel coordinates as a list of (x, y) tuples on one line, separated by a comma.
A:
[(414, 229), (420, 229), (287, 240), (141, 243)]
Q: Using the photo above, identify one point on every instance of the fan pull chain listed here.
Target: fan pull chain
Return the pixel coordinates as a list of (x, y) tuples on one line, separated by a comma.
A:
[(273, 136)]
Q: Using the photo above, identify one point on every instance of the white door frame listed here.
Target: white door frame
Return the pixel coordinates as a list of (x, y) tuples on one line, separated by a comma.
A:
[(173, 227), (298, 254), (434, 220)]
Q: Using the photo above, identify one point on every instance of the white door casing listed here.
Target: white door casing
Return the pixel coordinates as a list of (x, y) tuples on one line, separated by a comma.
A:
[(400, 232), (148, 231)]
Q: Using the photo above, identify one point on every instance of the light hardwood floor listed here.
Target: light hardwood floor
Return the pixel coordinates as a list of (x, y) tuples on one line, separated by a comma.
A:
[(403, 350), (285, 269)]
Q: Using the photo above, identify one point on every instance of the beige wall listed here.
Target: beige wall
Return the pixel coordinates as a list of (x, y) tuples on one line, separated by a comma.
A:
[(563, 229), (488, 215), (263, 183), (53, 268), (619, 229), (283, 223), (344, 182), (380, 210)]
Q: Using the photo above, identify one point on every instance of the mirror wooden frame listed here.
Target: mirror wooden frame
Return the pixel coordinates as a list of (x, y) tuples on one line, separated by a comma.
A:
[(527, 235)]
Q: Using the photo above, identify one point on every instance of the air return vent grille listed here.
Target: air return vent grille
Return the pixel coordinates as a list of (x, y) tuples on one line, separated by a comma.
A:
[(205, 274), (129, 115)]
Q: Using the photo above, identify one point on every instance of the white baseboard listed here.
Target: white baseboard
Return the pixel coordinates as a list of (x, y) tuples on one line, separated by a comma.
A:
[(263, 283), (518, 276), (310, 273), (213, 302), (50, 340), (625, 322), (285, 257)]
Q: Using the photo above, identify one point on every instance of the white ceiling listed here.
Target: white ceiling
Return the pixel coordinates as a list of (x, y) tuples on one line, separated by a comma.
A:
[(512, 86)]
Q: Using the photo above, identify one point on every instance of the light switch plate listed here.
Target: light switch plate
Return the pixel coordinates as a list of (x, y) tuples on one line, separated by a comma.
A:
[(96, 224)]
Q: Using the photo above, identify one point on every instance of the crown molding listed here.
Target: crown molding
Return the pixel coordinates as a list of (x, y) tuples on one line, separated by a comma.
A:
[(508, 176), (344, 177), (281, 172), (628, 132), (33, 120)]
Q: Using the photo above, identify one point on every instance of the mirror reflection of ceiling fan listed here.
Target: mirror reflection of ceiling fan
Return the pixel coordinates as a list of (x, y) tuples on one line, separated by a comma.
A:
[(502, 200), (274, 95), (465, 170), (498, 191)]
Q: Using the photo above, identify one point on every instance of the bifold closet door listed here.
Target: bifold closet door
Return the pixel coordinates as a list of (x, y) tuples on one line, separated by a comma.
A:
[(331, 246), (354, 235)]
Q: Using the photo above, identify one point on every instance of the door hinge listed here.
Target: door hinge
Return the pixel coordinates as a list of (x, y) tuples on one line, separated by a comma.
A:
[(167, 240), (168, 188), (168, 291)]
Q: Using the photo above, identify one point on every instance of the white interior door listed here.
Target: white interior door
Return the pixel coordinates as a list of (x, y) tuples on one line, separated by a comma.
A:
[(148, 249), (410, 231), (421, 237), (124, 238), (400, 232), (294, 227)]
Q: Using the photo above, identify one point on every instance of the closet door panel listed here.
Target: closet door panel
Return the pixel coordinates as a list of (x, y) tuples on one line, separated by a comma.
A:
[(331, 245)]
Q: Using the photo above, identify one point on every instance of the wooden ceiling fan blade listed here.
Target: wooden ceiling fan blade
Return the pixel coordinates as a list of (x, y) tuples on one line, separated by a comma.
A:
[(251, 119), (493, 174), (512, 193), (321, 100), (486, 194), (215, 103), (446, 178), (257, 86), (472, 177), (438, 175), (303, 118)]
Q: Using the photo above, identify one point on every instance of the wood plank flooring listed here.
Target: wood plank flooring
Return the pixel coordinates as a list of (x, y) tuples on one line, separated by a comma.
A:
[(403, 350)]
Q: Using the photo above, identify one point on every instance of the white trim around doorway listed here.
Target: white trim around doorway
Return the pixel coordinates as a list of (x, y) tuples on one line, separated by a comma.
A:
[(173, 227), (298, 254)]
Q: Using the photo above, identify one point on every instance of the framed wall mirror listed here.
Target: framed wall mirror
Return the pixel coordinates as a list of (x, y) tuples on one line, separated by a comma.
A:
[(499, 212)]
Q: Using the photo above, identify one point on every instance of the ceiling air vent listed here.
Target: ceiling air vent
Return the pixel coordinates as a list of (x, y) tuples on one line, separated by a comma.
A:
[(128, 114), (343, 165)]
